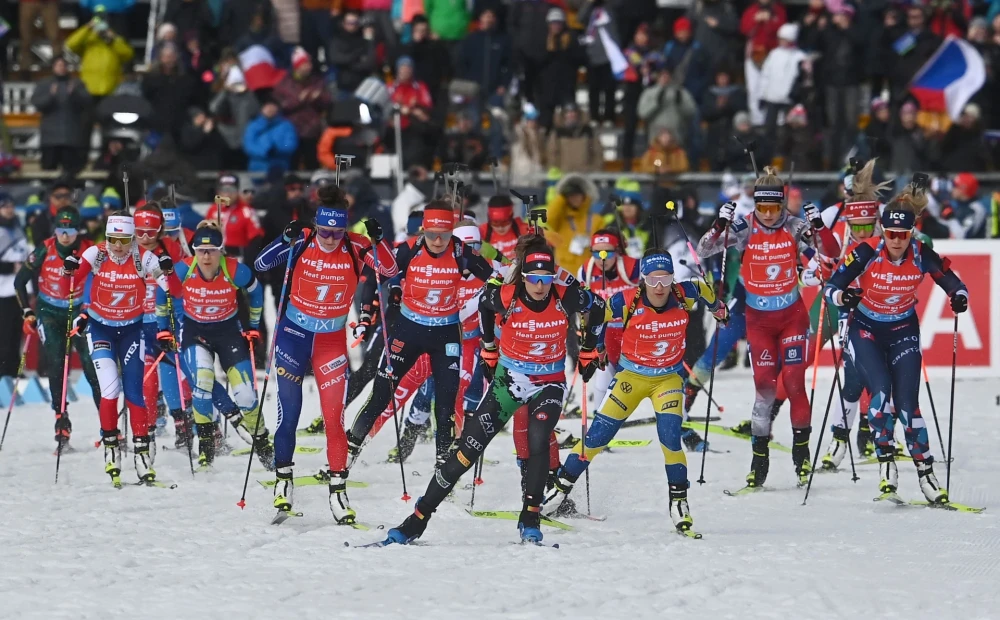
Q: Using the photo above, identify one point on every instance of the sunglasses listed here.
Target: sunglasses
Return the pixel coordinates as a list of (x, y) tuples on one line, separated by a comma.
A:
[(62, 195), (116, 240), (66, 231), (897, 234), (768, 209), (475, 245), (658, 281), (326, 233), (539, 278), (863, 228), (146, 232), (207, 249), (437, 236)]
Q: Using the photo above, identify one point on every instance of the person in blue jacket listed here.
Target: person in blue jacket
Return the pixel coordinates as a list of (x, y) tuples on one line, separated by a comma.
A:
[(269, 140)]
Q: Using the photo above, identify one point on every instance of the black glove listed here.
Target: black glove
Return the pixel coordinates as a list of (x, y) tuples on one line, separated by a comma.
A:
[(71, 263), (292, 231), (959, 303), (850, 298), (80, 324), (166, 263), (395, 296), (374, 230), (588, 362)]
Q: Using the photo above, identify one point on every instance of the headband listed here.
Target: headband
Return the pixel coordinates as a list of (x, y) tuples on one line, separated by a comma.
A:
[(769, 193), (148, 219), (331, 217), (171, 219), (207, 238), (438, 218), (120, 225), (897, 219), (609, 238), (661, 261), (468, 234), (860, 209), (539, 261)]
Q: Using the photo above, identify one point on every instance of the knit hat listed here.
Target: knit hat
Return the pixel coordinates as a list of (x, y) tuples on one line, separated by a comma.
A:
[(555, 15), (404, 60), (788, 32), (798, 112), (682, 24), (67, 217), (741, 118), (300, 57)]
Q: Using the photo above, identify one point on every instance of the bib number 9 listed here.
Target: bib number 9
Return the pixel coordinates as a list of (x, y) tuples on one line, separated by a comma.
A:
[(773, 271)]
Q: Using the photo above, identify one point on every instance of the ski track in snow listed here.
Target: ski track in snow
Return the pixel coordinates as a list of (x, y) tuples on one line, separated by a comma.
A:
[(81, 549)]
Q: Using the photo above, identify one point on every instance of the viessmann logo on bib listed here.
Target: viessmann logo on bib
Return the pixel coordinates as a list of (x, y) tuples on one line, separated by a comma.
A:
[(767, 246)]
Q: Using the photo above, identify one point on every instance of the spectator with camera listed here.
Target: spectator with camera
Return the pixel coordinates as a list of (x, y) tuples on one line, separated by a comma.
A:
[(103, 55)]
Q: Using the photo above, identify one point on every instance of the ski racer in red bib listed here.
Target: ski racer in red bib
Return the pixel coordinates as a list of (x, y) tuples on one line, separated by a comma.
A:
[(877, 284), (328, 265), (777, 319), (528, 367), (502, 229), (113, 324)]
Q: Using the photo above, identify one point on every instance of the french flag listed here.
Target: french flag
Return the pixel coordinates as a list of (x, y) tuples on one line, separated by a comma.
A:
[(950, 78), (259, 70)]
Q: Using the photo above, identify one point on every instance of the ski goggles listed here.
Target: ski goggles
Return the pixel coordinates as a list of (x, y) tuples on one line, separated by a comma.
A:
[(658, 281), (437, 236), (862, 228), (119, 240), (767, 208), (146, 232), (330, 233), (609, 256), (897, 234), (539, 278), (66, 231), (207, 249), (475, 245)]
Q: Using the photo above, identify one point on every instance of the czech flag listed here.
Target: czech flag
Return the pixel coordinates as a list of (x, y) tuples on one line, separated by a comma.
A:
[(950, 78), (259, 70)]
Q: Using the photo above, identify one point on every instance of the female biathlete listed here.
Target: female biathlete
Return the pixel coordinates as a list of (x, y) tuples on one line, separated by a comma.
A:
[(431, 268), (528, 368), (776, 317), (150, 236), (653, 319), (208, 299), (50, 322), (113, 325), (328, 263), (883, 331)]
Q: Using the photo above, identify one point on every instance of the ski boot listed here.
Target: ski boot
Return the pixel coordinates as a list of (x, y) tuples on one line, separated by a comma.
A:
[(142, 460), (353, 449), (679, 512), (264, 449), (317, 427), (529, 525), (221, 447), (932, 490), (284, 488), (760, 462), (837, 450), (183, 429), (569, 442), (800, 454), (690, 394), (743, 428), (866, 447), (63, 431), (113, 459), (340, 506), (411, 528), (557, 501), (407, 440), (206, 444), (693, 441), (890, 475)]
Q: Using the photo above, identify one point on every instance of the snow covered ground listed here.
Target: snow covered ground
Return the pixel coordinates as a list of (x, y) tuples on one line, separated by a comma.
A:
[(81, 549)]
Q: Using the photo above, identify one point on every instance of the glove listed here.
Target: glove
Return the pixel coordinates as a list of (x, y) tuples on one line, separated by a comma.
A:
[(721, 314), (166, 264), (726, 213), (166, 340), (813, 215), (959, 303), (79, 324), (489, 355), (850, 298), (361, 327), (809, 277), (395, 296), (602, 358), (374, 230), (71, 263), (292, 231), (30, 325), (252, 336), (587, 363)]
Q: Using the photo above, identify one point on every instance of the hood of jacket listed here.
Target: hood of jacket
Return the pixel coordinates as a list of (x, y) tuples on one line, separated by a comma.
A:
[(577, 183)]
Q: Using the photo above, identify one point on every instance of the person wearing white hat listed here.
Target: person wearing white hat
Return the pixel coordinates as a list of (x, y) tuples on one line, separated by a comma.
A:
[(778, 75)]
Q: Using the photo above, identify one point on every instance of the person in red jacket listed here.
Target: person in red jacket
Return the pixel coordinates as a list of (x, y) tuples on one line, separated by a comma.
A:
[(760, 23), (240, 225), (502, 229)]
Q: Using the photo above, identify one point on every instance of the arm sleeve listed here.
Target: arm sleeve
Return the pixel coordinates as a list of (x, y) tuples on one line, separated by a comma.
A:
[(275, 254), (26, 274), (580, 299), (403, 255), (469, 308), (940, 269), (479, 266), (387, 267), (490, 305), (245, 279), (177, 299), (86, 266), (698, 289), (713, 241), (848, 271)]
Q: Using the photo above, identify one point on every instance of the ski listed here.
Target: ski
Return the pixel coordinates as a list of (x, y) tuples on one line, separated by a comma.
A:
[(160, 484), (527, 543), (745, 491), (514, 515), (576, 514), (310, 481), (283, 515), (689, 533), (951, 506), (890, 496), (298, 450), (304, 433), (380, 543), (725, 431), (701, 419)]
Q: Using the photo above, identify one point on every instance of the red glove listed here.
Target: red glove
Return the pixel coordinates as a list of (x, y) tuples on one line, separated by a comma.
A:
[(489, 355), (166, 340), (30, 325), (588, 362), (252, 336)]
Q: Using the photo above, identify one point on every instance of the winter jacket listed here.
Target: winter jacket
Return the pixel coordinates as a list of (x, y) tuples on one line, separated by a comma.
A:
[(720, 42), (916, 53), (269, 143), (843, 53), (670, 107), (572, 148), (559, 69), (410, 95), (203, 150), (526, 154), (101, 63), (910, 149), (689, 63), (431, 63), (657, 160), (236, 15), (963, 150), (801, 145), (352, 56), (485, 59), (778, 74), (191, 16), (449, 19), (305, 113), (63, 122), (565, 223), (718, 107), (366, 205), (240, 225), (763, 33), (171, 94), (234, 112), (529, 29)]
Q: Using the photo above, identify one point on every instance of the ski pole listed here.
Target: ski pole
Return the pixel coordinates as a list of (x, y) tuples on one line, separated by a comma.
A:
[(13, 393), (837, 359), (690, 373), (583, 443), (930, 396), (180, 381), (65, 374), (477, 471), (951, 408), (715, 359), (267, 372), (152, 369)]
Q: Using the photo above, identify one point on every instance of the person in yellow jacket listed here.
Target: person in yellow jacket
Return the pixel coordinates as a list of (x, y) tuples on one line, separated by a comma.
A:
[(570, 222), (103, 53)]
